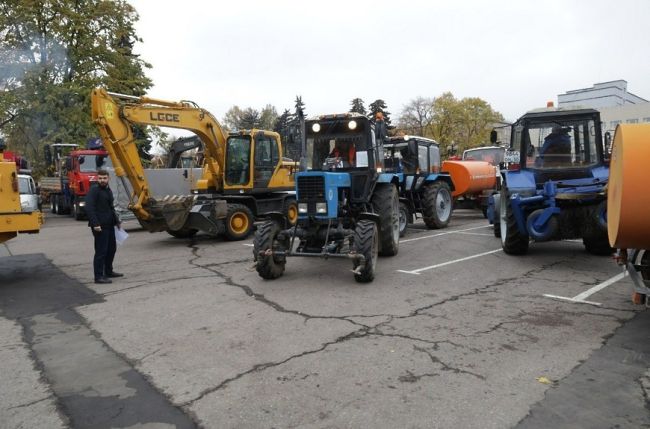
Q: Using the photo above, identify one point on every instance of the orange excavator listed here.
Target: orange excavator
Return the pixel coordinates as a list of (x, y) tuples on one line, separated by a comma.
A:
[(244, 174)]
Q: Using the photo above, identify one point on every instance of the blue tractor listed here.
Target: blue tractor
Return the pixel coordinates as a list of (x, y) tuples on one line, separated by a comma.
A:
[(424, 190), (554, 186), (348, 205)]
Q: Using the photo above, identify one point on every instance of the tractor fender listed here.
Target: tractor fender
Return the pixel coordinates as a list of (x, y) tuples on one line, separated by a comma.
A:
[(393, 178), (444, 177), (369, 216), (520, 181)]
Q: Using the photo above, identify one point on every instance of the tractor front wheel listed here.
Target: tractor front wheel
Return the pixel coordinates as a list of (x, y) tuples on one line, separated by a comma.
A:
[(366, 243), (269, 266), (239, 222), (512, 240), (404, 216), (385, 202), (437, 205)]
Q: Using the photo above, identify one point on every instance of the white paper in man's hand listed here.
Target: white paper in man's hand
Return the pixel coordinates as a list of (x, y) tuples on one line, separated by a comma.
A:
[(120, 236)]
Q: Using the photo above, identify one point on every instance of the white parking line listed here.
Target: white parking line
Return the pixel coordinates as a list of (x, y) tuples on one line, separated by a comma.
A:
[(248, 244), (419, 270), (443, 233), (476, 233), (580, 298)]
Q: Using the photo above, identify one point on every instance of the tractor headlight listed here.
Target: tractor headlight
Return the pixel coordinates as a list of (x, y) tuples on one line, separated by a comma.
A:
[(302, 207), (316, 127), (352, 125), (321, 207)]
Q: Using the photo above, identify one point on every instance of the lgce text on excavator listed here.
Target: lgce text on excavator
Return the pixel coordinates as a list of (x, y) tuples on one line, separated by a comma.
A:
[(244, 174)]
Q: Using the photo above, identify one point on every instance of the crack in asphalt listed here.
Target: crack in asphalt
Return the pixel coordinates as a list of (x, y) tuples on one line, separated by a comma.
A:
[(446, 366), (263, 366), (32, 403)]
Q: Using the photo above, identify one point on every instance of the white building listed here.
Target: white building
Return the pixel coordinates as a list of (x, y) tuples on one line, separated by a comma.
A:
[(615, 103)]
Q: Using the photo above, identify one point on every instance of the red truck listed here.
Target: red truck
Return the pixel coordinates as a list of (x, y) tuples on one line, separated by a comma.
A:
[(74, 170)]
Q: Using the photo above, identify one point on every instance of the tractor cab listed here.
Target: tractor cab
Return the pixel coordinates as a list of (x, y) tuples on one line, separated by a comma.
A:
[(344, 157), (560, 145)]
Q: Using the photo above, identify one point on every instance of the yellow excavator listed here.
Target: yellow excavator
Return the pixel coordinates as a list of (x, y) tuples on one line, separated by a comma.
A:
[(13, 218), (244, 174)]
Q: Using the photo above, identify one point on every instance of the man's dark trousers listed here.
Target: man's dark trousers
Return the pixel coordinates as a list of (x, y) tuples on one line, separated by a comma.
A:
[(104, 251)]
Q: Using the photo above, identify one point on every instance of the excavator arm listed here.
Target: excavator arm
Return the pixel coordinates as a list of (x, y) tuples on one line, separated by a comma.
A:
[(114, 115)]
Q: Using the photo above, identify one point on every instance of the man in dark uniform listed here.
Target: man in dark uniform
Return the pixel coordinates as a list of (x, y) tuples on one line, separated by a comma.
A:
[(102, 220)]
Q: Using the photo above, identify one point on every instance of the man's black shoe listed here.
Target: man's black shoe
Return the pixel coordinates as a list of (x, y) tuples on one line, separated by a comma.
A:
[(103, 280), (114, 274)]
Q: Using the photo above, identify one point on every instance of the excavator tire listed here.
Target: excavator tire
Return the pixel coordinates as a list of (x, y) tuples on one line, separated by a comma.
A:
[(512, 240), (269, 267), (291, 211), (385, 202), (239, 222), (182, 233), (437, 205)]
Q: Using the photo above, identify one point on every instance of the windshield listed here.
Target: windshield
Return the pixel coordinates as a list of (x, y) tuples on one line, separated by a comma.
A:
[(492, 155), (561, 145), (335, 146), (25, 186), (92, 163)]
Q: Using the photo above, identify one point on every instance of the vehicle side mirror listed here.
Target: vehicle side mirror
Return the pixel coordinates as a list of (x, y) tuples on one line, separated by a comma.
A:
[(493, 136)]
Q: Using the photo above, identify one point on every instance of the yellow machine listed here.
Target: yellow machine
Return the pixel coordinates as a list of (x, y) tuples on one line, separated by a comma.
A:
[(244, 174), (12, 219)]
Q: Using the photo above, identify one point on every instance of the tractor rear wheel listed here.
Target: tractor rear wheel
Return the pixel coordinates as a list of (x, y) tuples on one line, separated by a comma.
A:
[(77, 214), (366, 243), (385, 202), (269, 266), (182, 233), (512, 240), (53, 204), (437, 205), (239, 222)]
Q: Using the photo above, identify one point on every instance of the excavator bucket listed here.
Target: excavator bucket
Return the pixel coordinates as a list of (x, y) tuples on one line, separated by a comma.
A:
[(170, 213)]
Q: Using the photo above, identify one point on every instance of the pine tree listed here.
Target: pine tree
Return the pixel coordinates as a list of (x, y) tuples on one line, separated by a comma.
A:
[(357, 106), (379, 105)]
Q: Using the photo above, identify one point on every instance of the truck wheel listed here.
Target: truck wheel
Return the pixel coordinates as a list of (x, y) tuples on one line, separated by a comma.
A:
[(437, 205), (404, 215), (76, 212), (272, 266), (385, 202), (597, 245), (366, 243), (239, 222), (53, 204), (512, 240), (183, 233), (291, 211), (496, 221)]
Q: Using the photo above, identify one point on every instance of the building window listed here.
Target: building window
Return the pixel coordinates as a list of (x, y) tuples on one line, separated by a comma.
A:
[(632, 121)]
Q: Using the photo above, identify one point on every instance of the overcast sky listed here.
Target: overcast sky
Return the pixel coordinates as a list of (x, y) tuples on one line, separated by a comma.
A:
[(516, 55)]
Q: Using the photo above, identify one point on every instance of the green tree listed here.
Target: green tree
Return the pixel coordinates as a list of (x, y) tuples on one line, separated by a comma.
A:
[(232, 118), (379, 105), (466, 123), (357, 106), (52, 53)]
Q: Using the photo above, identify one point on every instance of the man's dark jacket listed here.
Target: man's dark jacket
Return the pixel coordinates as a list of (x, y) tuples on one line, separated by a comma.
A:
[(99, 207)]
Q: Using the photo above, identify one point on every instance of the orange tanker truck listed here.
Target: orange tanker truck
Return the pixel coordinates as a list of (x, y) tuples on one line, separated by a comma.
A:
[(628, 204), (475, 177)]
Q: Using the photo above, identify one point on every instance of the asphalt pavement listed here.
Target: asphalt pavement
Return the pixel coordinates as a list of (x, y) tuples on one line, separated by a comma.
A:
[(452, 334)]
